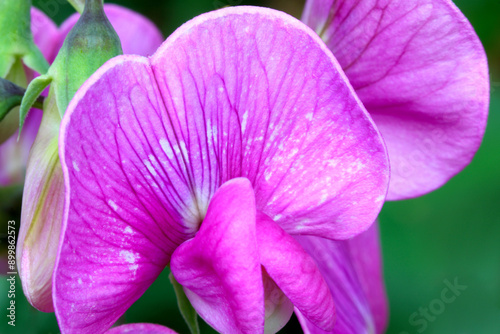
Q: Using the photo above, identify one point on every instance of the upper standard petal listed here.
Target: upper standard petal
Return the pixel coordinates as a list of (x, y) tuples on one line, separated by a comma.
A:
[(253, 92)]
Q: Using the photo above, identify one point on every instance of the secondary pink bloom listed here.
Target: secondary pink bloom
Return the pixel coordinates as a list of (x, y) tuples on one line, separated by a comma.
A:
[(421, 72), (43, 199), (240, 132), (353, 271)]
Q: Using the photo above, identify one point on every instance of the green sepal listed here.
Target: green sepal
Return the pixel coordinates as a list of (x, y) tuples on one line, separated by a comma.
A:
[(78, 5), (35, 88), (188, 312), (11, 96)]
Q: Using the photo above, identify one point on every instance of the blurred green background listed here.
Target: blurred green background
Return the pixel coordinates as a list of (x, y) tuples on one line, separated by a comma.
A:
[(450, 234)]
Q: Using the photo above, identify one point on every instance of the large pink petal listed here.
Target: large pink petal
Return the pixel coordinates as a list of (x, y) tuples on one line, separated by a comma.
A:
[(295, 272), (140, 329), (138, 34), (120, 225), (353, 271), (219, 268), (421, 72), (253, 92)]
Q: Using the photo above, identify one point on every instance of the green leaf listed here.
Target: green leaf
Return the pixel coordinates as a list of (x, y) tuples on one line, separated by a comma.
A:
[(188, 312), (35, 88)]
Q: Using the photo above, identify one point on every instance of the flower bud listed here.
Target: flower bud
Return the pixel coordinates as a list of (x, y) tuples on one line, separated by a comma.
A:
[(91, 43)]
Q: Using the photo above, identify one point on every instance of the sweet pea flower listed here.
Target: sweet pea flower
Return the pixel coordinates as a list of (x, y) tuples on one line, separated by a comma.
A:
[(421, 72), (138, 36), (239, 133), (43, 198)]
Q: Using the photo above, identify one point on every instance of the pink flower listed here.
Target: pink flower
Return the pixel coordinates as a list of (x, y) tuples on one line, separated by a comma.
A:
[(239, 133)]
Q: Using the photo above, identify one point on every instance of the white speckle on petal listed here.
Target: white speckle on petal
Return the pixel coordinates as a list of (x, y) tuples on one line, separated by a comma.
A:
[(128, 256), (128, 230), (165, 146), (277, 217), (309, 116), (380, 198), (150, 168), (113, 205), (324, 197), (244, 122), (79, 280), (131, 258), (75, 166), (176, 149)]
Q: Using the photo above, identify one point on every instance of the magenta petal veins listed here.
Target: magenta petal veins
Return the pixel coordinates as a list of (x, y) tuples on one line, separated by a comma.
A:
[(422, 73), (277, 111)]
